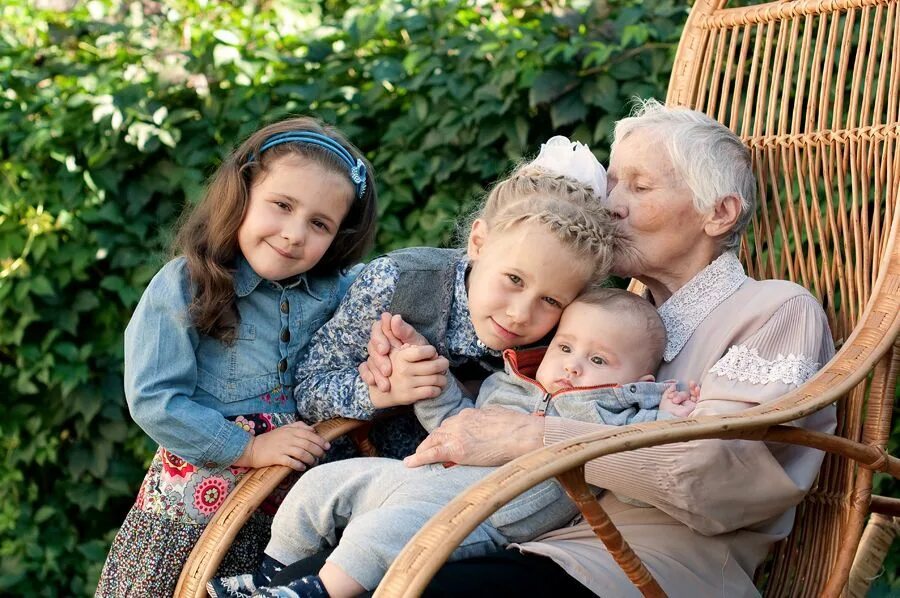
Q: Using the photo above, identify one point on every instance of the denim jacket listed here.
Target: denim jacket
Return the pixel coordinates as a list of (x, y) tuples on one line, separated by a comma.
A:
[(181, 385), (515, 388)]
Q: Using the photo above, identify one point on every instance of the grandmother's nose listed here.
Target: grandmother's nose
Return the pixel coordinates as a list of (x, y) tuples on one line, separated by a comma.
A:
[(616, 204)]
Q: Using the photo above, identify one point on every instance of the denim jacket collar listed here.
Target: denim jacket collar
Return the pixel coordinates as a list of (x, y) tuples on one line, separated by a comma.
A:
[(246, 280)]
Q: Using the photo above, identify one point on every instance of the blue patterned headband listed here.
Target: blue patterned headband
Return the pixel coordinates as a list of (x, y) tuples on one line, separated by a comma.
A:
[(356, 166)]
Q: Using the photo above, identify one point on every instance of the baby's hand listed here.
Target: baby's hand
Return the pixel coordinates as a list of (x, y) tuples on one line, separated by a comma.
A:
[(680, 402), (418, 373), (296, 445)]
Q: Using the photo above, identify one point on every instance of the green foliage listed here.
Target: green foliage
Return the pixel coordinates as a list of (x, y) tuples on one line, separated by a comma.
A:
[(113, 115)]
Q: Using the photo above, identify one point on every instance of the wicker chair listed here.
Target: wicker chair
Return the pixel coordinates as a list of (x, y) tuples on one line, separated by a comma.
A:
[(813, 88)]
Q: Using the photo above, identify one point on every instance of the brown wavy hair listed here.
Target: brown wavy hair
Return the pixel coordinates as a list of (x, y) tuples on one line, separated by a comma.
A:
[(207, 234)]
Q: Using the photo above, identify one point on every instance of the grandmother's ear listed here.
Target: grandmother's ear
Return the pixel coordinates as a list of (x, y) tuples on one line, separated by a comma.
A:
[(724, 216)]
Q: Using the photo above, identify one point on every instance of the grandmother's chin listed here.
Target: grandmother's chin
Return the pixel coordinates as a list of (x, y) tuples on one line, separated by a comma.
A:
[(626, 263)]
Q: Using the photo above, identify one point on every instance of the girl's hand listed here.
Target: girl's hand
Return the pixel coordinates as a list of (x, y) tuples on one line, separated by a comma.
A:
[(418, 373), (296, 445), (486, 437), (388, 333)]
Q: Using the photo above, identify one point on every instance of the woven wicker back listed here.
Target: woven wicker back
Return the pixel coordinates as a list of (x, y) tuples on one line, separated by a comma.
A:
[(813, 88)]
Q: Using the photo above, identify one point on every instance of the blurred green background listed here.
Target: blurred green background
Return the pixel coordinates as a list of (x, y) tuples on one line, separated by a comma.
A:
[(112, 116)]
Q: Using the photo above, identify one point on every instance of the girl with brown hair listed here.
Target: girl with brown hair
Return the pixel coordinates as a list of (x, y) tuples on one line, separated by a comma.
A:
[(211, 349)]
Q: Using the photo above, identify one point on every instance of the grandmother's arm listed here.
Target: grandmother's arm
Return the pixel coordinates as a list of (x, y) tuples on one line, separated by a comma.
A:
[(713, 485)]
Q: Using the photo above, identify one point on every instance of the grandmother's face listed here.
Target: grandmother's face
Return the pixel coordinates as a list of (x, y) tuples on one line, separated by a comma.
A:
[(653, 204)]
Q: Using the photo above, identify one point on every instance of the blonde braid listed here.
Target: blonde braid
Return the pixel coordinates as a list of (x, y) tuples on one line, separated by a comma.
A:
[(563, 206)]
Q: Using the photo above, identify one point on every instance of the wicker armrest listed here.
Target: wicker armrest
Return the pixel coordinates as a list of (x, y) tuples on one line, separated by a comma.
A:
[(250, 492), (872, 339)]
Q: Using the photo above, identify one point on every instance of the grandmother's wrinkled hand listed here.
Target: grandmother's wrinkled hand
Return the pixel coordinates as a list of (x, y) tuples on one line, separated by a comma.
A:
[(486, 437)]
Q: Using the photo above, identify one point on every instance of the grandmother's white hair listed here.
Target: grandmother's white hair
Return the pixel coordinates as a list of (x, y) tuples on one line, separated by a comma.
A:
[(708, 156)]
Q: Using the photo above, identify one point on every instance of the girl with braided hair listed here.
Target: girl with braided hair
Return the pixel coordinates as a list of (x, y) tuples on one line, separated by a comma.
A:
[(536, 250)]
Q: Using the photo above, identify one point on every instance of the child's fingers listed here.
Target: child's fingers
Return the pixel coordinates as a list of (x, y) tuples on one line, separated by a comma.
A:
[(309, 457), (411, 395), (417, 353), (299, 424), (380, 363), (294, 464), (366, 374), (435, 380), (373, 377), (426, 368), (307, 438), (387, 329), (379, 343), (422, 393), (381, 381), (405, 333)]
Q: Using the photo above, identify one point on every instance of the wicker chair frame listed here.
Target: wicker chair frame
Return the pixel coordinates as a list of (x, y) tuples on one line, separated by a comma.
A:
[(813, 88)]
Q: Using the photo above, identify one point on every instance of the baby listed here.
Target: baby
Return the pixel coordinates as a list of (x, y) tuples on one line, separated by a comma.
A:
[(598, 368)]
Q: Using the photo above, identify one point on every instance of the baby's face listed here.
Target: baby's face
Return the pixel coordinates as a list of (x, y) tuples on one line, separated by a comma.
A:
[(594, 346)]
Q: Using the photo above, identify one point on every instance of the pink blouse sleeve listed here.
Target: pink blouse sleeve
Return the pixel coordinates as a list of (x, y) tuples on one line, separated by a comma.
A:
[(713, 486)]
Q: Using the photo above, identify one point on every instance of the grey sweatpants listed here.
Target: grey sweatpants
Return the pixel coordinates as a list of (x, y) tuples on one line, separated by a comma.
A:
[(381, 504)]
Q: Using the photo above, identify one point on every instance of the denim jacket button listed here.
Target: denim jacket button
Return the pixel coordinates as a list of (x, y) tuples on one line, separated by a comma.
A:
[(285, 307), (282, 365), (633, 388), (210, 465), (285, 335)]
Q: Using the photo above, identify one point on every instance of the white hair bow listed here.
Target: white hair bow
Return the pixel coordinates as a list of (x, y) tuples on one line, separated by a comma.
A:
[(574, 160)]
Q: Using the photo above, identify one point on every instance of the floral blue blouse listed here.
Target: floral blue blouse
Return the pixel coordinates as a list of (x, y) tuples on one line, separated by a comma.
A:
[(328, 383)]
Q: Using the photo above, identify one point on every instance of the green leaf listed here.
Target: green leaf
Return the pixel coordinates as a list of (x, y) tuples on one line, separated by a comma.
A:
[(41, 286), (548, 86), (227, 37), (569, 109)]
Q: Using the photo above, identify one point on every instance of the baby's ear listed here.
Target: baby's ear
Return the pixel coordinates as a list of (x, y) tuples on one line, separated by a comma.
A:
[(648, 378)]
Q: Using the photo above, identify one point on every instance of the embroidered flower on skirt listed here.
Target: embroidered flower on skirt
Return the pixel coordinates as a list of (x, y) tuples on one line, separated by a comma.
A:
[(175, 466), (180, 491)]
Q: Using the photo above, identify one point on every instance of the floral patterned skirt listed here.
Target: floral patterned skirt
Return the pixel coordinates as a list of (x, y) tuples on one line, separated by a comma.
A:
[(175, 503)]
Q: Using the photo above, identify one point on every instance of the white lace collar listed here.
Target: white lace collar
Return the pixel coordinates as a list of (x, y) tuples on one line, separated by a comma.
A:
[(683, 312)]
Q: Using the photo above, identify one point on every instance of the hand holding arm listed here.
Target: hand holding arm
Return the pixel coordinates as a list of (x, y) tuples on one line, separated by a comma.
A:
[(488, 437), (389, 332), (418, 373)]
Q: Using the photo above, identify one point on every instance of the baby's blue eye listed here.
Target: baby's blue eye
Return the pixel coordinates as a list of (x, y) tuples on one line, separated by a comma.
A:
[(565, 348), (598, 360), (514, 279)]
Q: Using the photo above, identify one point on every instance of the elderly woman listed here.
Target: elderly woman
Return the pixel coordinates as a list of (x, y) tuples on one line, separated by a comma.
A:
[(682, 187)]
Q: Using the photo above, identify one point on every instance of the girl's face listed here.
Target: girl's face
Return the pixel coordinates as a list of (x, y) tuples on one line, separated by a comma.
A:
[(293, 215), (520, 281)]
